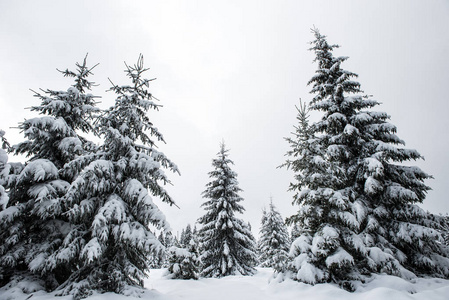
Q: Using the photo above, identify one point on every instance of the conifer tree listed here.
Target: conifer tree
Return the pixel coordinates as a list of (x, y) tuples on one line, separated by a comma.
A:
[(3, 194), (186, 236), (358, 212), (196, 241), (31, 224), (169, 241), (55, 136), (226, 243), (295, 232), (157, 259), (111, 200), (183, 263), (307, 159), (274, 241), (161, 238), (181, 237), (195, 233)]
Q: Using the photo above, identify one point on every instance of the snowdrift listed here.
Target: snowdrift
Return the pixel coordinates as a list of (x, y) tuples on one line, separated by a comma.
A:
[(261, 286)]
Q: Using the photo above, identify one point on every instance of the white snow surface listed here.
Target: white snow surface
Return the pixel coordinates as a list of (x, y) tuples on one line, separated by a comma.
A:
[(261, 286)]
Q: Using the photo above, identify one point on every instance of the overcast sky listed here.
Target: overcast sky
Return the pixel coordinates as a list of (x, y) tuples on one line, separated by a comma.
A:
[(235, 70)]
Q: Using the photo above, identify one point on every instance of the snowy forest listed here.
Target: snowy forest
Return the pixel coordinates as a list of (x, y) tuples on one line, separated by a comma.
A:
[(84, 214)]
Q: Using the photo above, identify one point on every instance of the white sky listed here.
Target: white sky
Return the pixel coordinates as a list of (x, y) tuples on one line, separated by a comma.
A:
[(234, 70)]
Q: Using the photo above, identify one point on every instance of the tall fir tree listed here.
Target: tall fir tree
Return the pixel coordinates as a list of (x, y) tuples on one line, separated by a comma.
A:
[(357, 199), (111, 199), (274, 243), (4, 199), (32, 226), (227, 245)]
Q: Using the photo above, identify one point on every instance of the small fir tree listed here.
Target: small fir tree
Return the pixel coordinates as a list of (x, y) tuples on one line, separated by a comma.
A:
[(157, 259), (226, 243), (274, 242), (183, 262), (295, 232), (358, 212), (169, 241), (111, 199), (186, 236), (196, 242)]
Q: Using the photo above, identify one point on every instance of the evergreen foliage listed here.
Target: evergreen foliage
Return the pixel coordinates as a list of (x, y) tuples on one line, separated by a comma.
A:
[(296, 232), (4, 143), (196, 241), (169, 241), (55, 136), (186, 236), (31, 224), (3, 172), (357, 199), (274, 242), (183, 263), (445, 228), (157, 260), (226, 243), (110, 202)]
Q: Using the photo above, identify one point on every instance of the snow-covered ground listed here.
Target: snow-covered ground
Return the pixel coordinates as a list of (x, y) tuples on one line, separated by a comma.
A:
[(260, 287)]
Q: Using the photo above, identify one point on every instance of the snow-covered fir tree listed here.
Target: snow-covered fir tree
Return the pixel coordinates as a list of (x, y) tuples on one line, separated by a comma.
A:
[(195, 233), (357, 200), (295, 232), (31, 225), (308, 162), (3, 194), (157, 259), (196, 241), (169, 241), (161, 238), (274, 243), (183, 260), (227, 246), (111, 200), (56, 135), (186, 236), (183, 263)]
